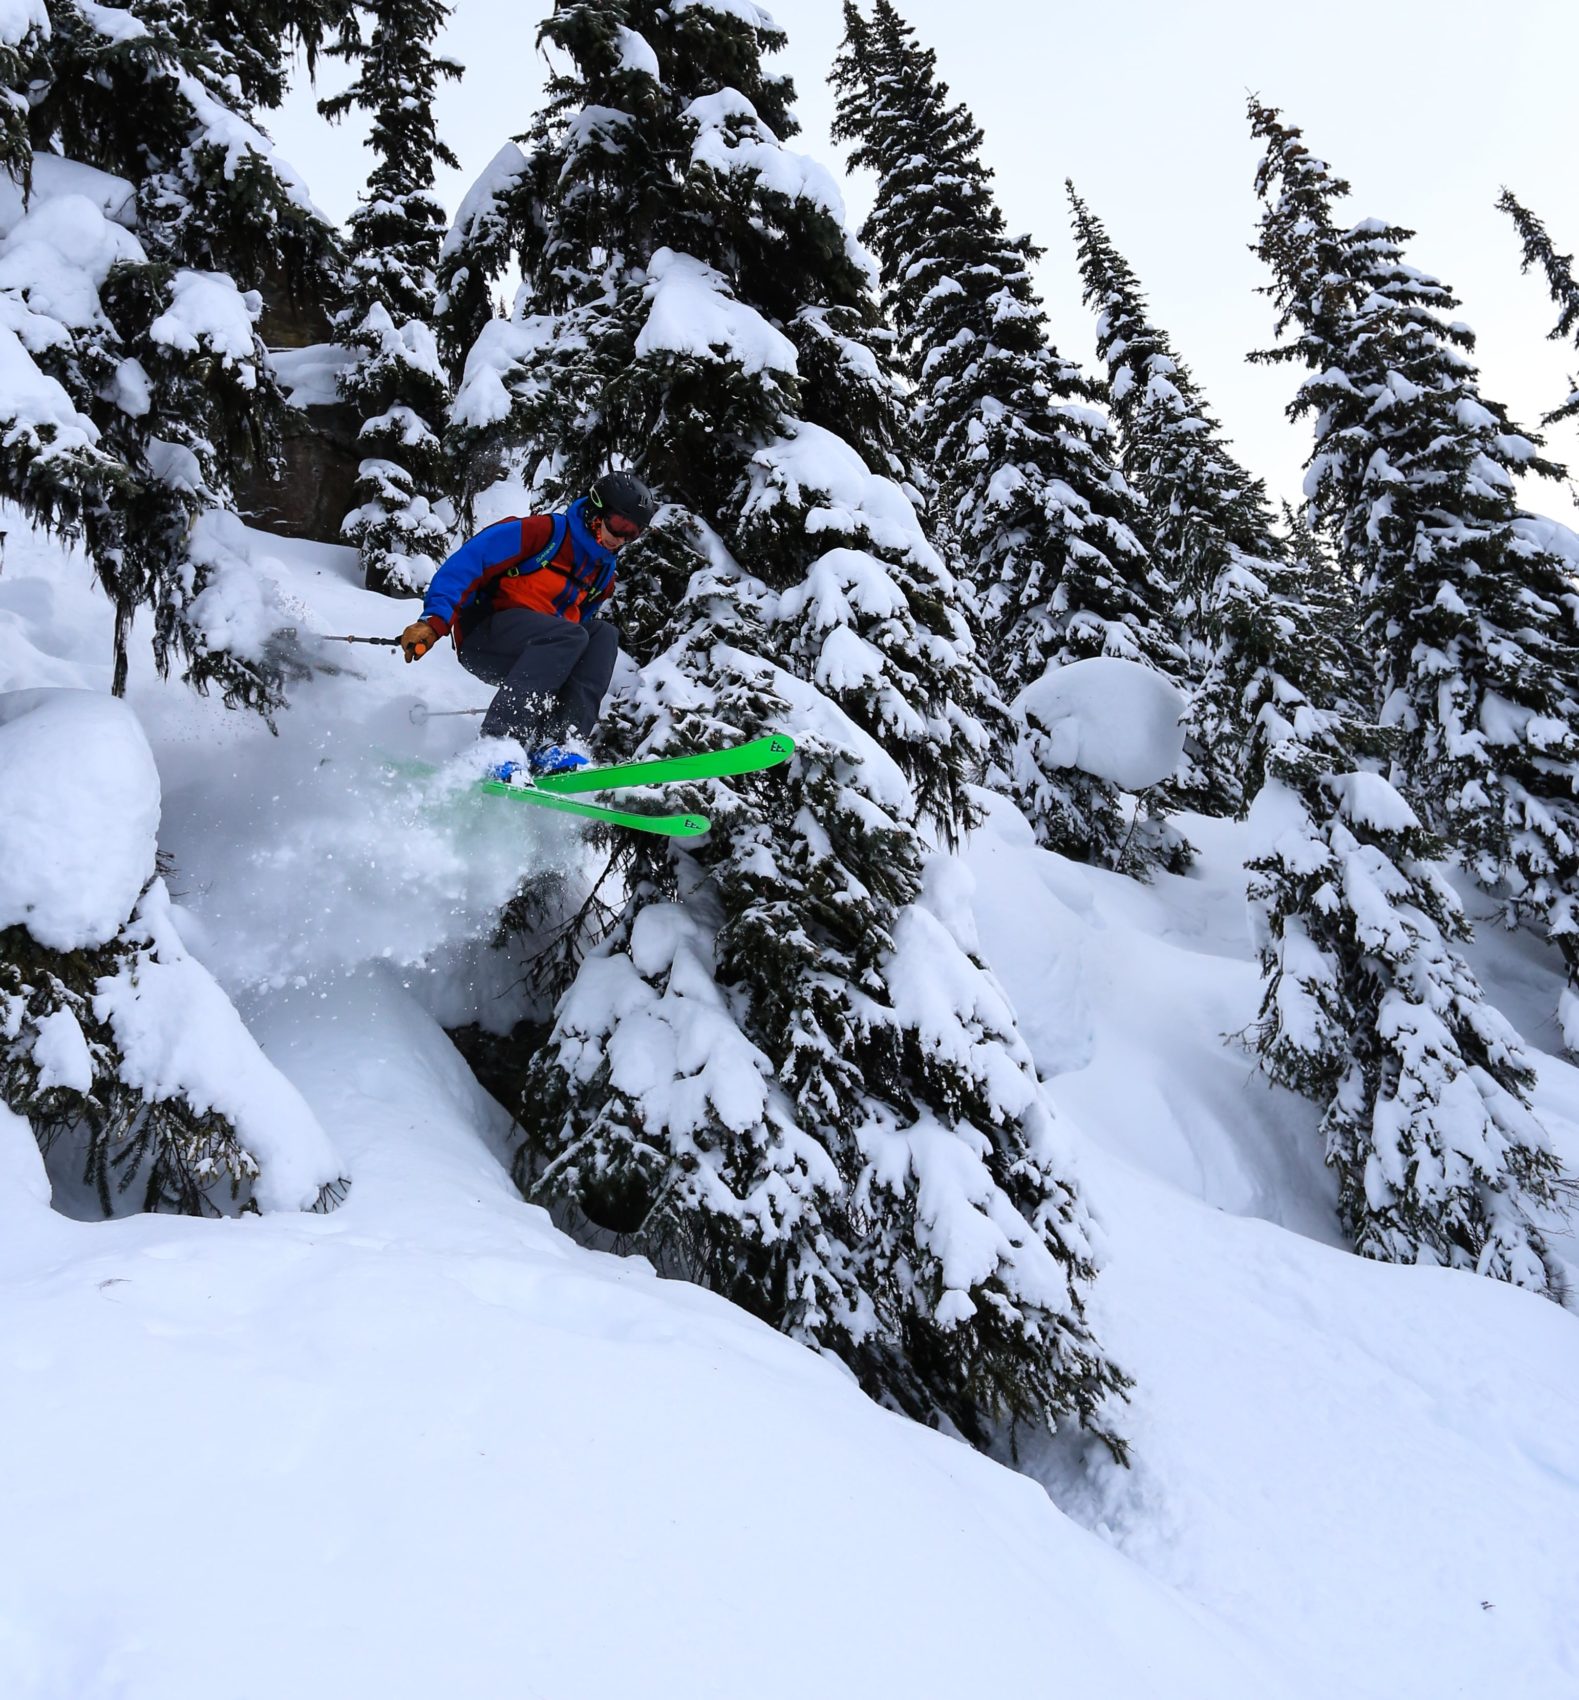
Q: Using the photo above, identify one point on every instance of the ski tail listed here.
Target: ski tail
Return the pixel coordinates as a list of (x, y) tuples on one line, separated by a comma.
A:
[(665, 826)]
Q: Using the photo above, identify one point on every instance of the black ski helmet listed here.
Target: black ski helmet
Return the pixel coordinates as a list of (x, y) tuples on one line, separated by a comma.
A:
[(624, 495)]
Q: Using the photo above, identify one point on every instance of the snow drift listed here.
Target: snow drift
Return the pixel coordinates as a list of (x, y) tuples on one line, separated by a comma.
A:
[(1113, 718)]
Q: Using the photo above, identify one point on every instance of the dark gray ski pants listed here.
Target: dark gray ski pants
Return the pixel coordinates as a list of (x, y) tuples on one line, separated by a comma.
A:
[(552, 674)]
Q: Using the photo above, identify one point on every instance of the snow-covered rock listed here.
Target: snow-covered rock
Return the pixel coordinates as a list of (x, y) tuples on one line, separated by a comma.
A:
[(310, 376)]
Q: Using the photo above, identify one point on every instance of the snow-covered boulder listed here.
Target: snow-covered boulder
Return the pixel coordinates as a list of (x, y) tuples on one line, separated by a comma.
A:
[(1112, 718)]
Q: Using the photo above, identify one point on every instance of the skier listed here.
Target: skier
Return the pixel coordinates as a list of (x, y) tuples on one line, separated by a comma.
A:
[(522, 603)]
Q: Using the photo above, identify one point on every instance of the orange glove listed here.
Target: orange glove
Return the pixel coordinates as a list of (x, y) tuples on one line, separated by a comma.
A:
[(417, 639)]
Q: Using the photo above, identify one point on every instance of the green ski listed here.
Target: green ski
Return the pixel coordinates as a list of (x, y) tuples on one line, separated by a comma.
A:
[(668, 826), (753, 757)]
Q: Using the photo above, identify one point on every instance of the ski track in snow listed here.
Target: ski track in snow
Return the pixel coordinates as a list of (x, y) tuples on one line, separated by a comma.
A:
[(426, 1445)]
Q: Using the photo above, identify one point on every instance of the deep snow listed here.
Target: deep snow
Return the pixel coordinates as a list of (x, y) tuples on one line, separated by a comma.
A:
[(425, 1445)]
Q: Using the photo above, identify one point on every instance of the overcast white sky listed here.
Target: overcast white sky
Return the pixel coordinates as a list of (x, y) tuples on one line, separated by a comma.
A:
[(1427, 106)]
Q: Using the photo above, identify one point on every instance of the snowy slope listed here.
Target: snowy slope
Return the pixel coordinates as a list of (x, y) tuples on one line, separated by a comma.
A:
[(425, 1445), (1372, 1469)]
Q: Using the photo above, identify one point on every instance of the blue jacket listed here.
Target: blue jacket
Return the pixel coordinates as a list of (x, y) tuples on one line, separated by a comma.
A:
[(549, 563)]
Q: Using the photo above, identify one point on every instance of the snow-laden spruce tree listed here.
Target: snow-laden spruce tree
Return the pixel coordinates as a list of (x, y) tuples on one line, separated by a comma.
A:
[(136, 383), (540, 375), (479, 245), (141, 1083), (1468, 608), (785, 1074), (1367, 1006), (1013, 433), (250, 39), (404, 518), (1539, 249), (1210, 522)]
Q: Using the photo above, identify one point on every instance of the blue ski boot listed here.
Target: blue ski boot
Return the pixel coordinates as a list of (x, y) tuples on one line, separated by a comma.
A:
[(553, 758)]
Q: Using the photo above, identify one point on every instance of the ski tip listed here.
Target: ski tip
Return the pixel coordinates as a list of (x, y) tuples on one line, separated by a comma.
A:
[(781, 745)]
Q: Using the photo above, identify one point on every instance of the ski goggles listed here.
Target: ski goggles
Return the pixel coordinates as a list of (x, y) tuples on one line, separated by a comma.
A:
[(625, 530)]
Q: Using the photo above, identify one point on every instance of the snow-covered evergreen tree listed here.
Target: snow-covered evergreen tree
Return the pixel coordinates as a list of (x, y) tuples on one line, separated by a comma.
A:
[(1469, 609), (51, 453), (534, 377), (128, 281), (1011, 431), (1370, 1009), (403, 518), (1210, 523), (480, 244), (1539, 249), (1367, 1006), (785, 1074), (252, 36)]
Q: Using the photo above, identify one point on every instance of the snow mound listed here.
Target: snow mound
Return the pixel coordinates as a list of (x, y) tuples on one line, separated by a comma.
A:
[(208, 314), (81, 821), (180, 1037), (502, 346), (39, 416), (1112, 718), (731, 138), (53, 177), (310, 376)]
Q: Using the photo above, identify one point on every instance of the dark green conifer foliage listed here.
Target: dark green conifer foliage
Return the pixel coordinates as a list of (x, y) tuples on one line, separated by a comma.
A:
[(403, 518), (253, 38), (1210, 523), (1540, 250), (170, 1156), (692, 304), (1467, 606), (18, 39), (1010, 430), (1333, 598), (165, 390)]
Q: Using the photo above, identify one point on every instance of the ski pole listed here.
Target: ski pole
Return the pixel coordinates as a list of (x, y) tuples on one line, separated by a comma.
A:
[(421, 713), (388, 643)]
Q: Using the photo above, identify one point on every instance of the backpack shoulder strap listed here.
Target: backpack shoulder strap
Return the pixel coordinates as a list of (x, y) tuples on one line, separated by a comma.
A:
[(556, 540), (521, 563)]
